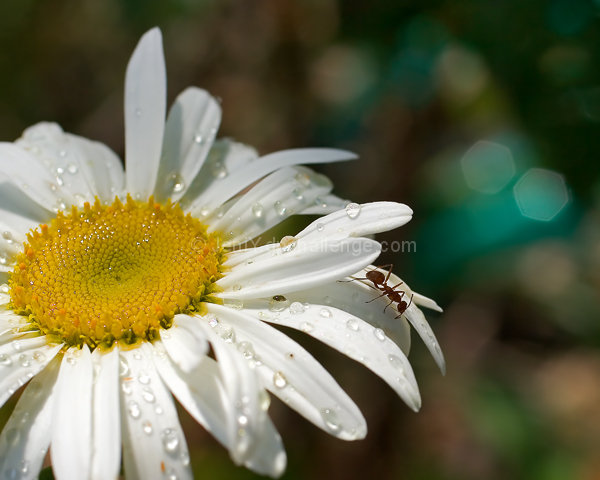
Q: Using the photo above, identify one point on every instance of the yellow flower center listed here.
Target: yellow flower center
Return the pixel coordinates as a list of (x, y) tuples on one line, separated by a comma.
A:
[(114, 273)]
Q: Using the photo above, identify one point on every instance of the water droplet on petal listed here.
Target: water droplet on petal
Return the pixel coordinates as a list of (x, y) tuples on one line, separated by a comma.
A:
[(307, 327), (198, 139), (246, 349), (170, 440), (396, 362), (279, 380), (148, 396), (353, 210), (123, 367), (72, 168), (379, 334), (325, 313), (320, 227), (147, 427), (278, 303), (288, 243), (303, 179), (5, 360), (331, 419), (24, 360), (264, 400), (134, 409), (296, 308), (144, 378), (175, 183), (280, 208), (257, 210), (4, 288), (352, 324), (233, 303), (227, 333), (6, 235)]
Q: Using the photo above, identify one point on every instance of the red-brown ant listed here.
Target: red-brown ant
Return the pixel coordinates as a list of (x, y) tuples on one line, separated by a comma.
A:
[(379, 281)]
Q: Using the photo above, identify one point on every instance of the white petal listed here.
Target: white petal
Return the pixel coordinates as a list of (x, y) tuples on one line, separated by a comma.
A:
[(184, 343), (308, 264), (350, 335), (106, 421), (101, 166), (203, 395), (71, 448), (356, 298), (200, 392), (369, 219), (153, 442), (243, 391), (225, 156), (217, 193), (281, 194), (145, 109), (191, 126), (26, 436), (19, 212), (23, 171), (60, 154), (292, 374), (20, 360), (325, 204)]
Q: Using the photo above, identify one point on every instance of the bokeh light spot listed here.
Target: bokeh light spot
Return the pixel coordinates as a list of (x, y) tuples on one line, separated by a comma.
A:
[(541, 194), (488, 167)]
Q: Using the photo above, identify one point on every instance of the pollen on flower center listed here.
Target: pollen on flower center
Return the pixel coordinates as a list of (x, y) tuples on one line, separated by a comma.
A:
[(114, 273)]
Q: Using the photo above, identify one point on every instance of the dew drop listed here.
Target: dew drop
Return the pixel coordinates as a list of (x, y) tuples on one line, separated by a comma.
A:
[(258, 210), (185, 458), (331, 420), (198, 139), (278, 303), (396, 362), (24, 467), (24, 360), (306, 327), (169, 440), (320, 227), (219, 170), (298, 193), (280, 208), (325, 313), (144, 378), (6, 235), (147, 427), (246, 349), (72, 168), (379, 334), (4, 288), (171, 474), (3, 260), (212, 321), (126, 387), (242, 420), (353, 210), (138, 112), (303, 179), (279, 380), (296, 308), (233, 303), (352, 324), (17, 345), (134, 409), (5, 360), (175, 183), (264, 400), (227, 333), (148, 396), (158, 410), (288, 243), (123, 367)]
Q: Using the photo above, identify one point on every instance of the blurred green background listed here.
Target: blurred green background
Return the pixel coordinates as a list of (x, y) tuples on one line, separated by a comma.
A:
[(482, 116)]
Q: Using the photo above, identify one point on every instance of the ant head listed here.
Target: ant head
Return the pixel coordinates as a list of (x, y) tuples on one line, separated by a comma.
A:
[(375, 276)]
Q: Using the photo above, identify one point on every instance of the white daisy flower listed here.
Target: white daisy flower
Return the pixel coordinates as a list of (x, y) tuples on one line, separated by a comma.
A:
[(124, 288)]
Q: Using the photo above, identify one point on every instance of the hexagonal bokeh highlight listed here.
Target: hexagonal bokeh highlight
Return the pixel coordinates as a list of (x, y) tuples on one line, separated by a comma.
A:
[(488, 167), (541, 194)]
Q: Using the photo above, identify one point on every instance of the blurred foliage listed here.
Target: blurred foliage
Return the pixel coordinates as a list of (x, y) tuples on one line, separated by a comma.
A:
[(410, 86)]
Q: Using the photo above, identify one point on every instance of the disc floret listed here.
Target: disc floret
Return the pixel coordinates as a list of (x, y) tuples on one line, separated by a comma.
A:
[(114, 273)]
